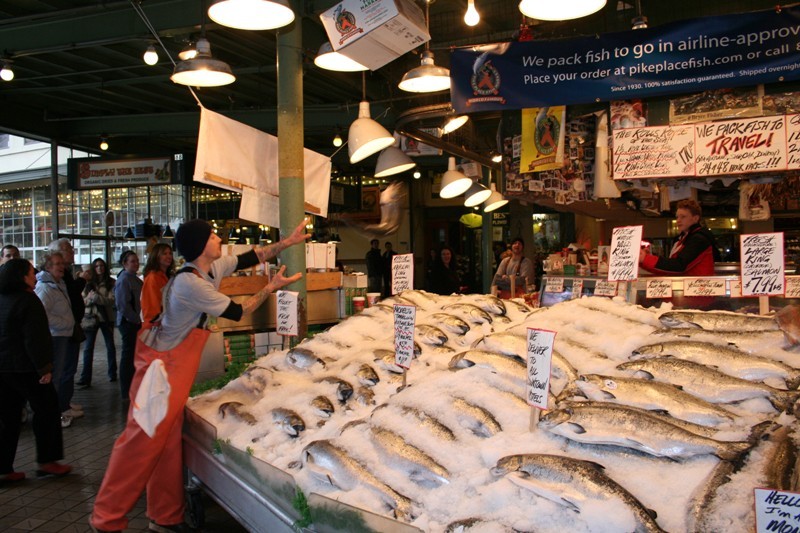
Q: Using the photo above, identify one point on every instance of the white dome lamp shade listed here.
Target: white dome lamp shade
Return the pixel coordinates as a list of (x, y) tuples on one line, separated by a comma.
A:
[(203, 70), (251, 14), (454, 183), (494, 202), (329, 59), (562, 10), (392, 161), (366, 136), (476, 194)]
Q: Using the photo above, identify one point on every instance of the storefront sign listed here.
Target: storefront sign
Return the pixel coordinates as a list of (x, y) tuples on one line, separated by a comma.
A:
[(762, 264), (577, 288), (626, 242), (680, 57), (286, 312), (658, 152), (792, 287), (777, 510), (554, 285), (605, 288), (704, 287), (98, 173), (405, 317), (540, 353), (402, 273), (658, 288)]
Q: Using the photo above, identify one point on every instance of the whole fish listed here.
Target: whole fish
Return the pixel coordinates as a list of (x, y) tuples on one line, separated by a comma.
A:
[(385, 359), (364, 396), (430, 423), (781, 459), (430, 335), (635, 429), (508, 367), (573, 483), (367, 376), (487, 302), (235, 410), (422, 299), (729, 360), (420, 467), (471, 313), (331, 464), (322, 406), (503, 342), (706, 382), (475, 418), (730, 337), (451, 323), (652, 395), (718, 321), (703, 496), (344, 390), (289, 421), (519, 305), (303, 358)]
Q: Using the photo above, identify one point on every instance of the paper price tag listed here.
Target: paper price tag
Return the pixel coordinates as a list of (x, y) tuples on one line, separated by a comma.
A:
[(762, 264), (405, 317), (577, 288), (792, 287), (555, 285), (605, 288), (703, 287), (659, 288), (286, 312), (402, 273)]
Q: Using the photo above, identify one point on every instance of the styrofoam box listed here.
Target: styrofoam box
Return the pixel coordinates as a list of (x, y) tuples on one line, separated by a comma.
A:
[(375, 32)]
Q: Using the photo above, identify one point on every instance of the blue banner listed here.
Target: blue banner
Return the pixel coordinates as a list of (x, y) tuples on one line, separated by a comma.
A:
[(680, 57)]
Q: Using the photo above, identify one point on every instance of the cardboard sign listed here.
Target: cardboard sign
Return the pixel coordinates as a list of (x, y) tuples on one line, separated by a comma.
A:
[(659, 288), (402, 273), (286, 312), (605, 288), (555, 285), (540, 354), (405, 317), (577, 288), (626, 242), (762, 264), (792, 287), (777, 510), (655, 152), (703, 287)]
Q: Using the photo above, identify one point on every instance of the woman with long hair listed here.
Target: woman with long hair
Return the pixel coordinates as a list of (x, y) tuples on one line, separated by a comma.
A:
[(159, 268), (26, 374), (445, 278), (100, 314)]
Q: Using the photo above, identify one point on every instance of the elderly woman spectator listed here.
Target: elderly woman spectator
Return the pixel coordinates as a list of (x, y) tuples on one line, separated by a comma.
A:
[(26, 372), (100, 315), (52, 291)]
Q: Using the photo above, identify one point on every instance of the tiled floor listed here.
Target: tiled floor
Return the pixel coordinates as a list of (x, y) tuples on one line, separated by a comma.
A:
[(64, 504)]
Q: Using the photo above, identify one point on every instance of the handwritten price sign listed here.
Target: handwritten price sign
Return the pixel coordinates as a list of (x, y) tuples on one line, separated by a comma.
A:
[(762, 264), (735, 288), (658, 288), (286, 312), (792, 287), (405, 317), (777, 510), (605, 288), (577, 288), (540, 354), (555, 285), (402, 273), (703, 287), (624, 262)]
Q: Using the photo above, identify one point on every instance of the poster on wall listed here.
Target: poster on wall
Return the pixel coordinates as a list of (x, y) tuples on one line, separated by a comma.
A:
[(655, 152), (737, 102), (542, 138)]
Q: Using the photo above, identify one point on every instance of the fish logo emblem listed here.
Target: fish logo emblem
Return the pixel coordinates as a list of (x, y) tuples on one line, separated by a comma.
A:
[(345, 23), (486, 80), (545, 134)]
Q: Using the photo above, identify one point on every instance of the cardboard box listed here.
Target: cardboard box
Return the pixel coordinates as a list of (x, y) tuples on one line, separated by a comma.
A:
[(330, 262), (377, 32), (358, 280)]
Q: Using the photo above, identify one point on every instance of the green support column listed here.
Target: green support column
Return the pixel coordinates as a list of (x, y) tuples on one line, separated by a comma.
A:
[(486, 241), (290, 152)]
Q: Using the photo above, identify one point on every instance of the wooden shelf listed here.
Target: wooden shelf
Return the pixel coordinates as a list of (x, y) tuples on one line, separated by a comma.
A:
[(315, 281)]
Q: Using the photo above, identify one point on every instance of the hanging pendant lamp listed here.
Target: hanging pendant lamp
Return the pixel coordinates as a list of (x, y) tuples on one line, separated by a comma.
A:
[(251, 14), (560, 10), (454, 183), (476, 194), (494, 202), (203, 70), (329, 59), (392, 161), (426, 78), (366, 136)]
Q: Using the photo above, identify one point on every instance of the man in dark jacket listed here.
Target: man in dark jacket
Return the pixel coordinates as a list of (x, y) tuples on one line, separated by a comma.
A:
[(374, 266)]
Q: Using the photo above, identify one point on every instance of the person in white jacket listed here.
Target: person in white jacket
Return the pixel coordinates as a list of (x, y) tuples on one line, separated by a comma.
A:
[(52, 291)]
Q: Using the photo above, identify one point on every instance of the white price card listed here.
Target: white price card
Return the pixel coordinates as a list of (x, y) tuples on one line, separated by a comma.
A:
[(555, 285), (577, 288), (762, 264), (658, 288), (777, 510), (540, 355), (626, 241), (402, 273), (405, 317), (605, 288), (703, 287), (792, 287), (286, 312), (735, 288)]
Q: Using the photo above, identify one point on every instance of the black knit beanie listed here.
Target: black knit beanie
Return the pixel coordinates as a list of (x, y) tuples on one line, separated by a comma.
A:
[(191, 238)]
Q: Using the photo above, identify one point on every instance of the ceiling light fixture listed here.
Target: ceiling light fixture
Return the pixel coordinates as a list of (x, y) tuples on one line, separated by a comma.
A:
[(151, 56), (453, 123), (476, 194), (392, 161), (471, 17), (251, 14), (6, 74), (203, 70), (496, 156), (417, 174), (366, 136), (495, 201), (639, 22), (454, 183), (337, 140), (329, 59), (426, 78), (104, 142), (189, 52), (563, 10)]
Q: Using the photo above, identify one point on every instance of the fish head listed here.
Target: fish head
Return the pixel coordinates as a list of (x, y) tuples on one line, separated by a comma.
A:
[(460, 361), (634, 368), (677, 319), (647, 350), (509, 463), (555, 418), (595, 387)]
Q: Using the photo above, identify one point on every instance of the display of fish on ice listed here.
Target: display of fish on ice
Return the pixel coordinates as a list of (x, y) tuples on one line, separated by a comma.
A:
[(652, 434)]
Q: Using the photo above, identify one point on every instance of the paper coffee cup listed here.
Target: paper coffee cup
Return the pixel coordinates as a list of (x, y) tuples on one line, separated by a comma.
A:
[(372, 298), (358, 304)]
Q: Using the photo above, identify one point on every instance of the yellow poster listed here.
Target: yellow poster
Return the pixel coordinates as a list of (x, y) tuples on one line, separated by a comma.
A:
[(542, 138)]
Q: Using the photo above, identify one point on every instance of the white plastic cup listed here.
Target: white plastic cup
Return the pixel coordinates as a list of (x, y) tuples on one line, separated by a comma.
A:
[(358, 304), (372, 298)]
